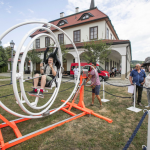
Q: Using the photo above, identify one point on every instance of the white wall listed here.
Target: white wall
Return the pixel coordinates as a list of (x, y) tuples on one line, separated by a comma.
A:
[(110, 32), (69, 58), (84, 33)]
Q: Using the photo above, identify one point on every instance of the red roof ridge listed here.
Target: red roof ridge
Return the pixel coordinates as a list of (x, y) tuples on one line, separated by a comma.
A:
[(71, 21), (101, 12)]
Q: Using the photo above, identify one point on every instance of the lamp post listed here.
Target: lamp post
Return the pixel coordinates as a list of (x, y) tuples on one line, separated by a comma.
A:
[(12, 48)]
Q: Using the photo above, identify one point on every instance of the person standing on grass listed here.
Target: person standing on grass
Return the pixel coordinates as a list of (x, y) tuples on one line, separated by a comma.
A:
[(115, 70), (96, 84), (147, 84), (138, 76), (76, 72), (112, 72)]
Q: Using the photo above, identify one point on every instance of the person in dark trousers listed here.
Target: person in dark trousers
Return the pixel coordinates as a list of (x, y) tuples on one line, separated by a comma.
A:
[(112, 70), (115, 70), (138, 76)]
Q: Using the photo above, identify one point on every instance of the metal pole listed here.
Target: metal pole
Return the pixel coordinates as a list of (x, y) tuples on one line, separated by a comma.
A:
[(148, 136), (103, 90), (134, 94), (11, 63)]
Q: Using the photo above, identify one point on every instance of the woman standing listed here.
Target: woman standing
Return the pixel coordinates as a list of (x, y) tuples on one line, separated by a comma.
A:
[(112, 72), (147, 84)]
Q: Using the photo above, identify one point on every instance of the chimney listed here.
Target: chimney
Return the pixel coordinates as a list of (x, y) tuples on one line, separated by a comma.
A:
[(92, 4), (61, 14), (77, 9)]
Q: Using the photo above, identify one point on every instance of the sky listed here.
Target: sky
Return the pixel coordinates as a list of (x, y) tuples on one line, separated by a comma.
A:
[(130, 19)]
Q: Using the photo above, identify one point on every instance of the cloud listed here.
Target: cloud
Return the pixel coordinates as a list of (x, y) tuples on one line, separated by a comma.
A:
[(15, 46), (36, 19), (130, 19), (8, 10), (6, 44), (23, 48), (21, 13), (1, 3), (30, 10)]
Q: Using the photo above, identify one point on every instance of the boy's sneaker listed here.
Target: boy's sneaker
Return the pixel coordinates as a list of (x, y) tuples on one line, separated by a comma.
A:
[(41, 93), (33, 93)]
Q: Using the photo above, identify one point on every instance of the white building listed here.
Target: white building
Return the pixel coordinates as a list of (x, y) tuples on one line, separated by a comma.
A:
[(84, 26)]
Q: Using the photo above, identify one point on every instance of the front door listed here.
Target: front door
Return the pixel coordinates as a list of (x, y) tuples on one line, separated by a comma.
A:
[(65, 64), (38, 67)]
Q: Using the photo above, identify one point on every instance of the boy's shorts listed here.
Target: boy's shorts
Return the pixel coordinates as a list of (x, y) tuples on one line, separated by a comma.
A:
[(96, 90), (48, 78)]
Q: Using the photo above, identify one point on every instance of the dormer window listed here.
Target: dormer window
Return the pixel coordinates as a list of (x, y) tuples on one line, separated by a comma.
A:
[(62, 22), (41, 30), (86, 16)]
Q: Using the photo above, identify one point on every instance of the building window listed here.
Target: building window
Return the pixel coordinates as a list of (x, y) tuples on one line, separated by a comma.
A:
[(107, 34), (61, 38), (62, 22), (47, 41), (37, 43), (93, 33), (111, 36), (85, 16), (76, 36)]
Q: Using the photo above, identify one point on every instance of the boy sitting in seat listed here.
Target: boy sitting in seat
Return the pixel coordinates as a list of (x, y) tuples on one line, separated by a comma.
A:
[(45, 71)]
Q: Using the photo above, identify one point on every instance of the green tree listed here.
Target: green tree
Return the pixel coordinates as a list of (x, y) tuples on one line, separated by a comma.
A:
[(3, 57), (8, 51), (34, 57), (96, 51)]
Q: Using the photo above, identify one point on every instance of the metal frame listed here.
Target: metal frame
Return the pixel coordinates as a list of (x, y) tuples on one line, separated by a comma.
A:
[(80, 106), (133, 108), (30, 114), (104, 100), (148, 135)]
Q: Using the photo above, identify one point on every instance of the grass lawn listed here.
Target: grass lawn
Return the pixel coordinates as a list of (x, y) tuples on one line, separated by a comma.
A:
[(85, 133), (2, 77)]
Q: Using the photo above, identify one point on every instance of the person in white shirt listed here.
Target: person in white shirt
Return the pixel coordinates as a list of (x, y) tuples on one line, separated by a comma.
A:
[(147, 84), (76, 71)]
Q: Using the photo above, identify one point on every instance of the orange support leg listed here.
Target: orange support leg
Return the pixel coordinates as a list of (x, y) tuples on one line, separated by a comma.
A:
[(102, 117), (1, 141), (41, 131)]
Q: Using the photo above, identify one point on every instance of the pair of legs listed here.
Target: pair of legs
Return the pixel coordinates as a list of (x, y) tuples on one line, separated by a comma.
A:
[(139, 89), (148, 96), (112, 74), (43, 81), (75, 78), (95, 91), (98, 97)]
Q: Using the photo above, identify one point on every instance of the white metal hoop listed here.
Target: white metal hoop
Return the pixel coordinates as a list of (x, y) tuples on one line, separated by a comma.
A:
[(14, 72)]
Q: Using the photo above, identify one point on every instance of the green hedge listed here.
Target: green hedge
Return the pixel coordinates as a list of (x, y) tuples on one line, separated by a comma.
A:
[(4, 69)]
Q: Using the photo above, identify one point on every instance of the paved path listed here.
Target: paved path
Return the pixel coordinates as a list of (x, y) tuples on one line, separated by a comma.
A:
[(116, 81)]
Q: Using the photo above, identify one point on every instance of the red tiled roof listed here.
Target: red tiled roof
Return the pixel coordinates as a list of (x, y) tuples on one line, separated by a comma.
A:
[(74, 19), (41, 49), (19, 54), (13, 59)]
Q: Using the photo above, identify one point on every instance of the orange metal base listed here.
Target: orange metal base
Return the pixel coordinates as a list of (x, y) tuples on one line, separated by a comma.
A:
[(80, 106)]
